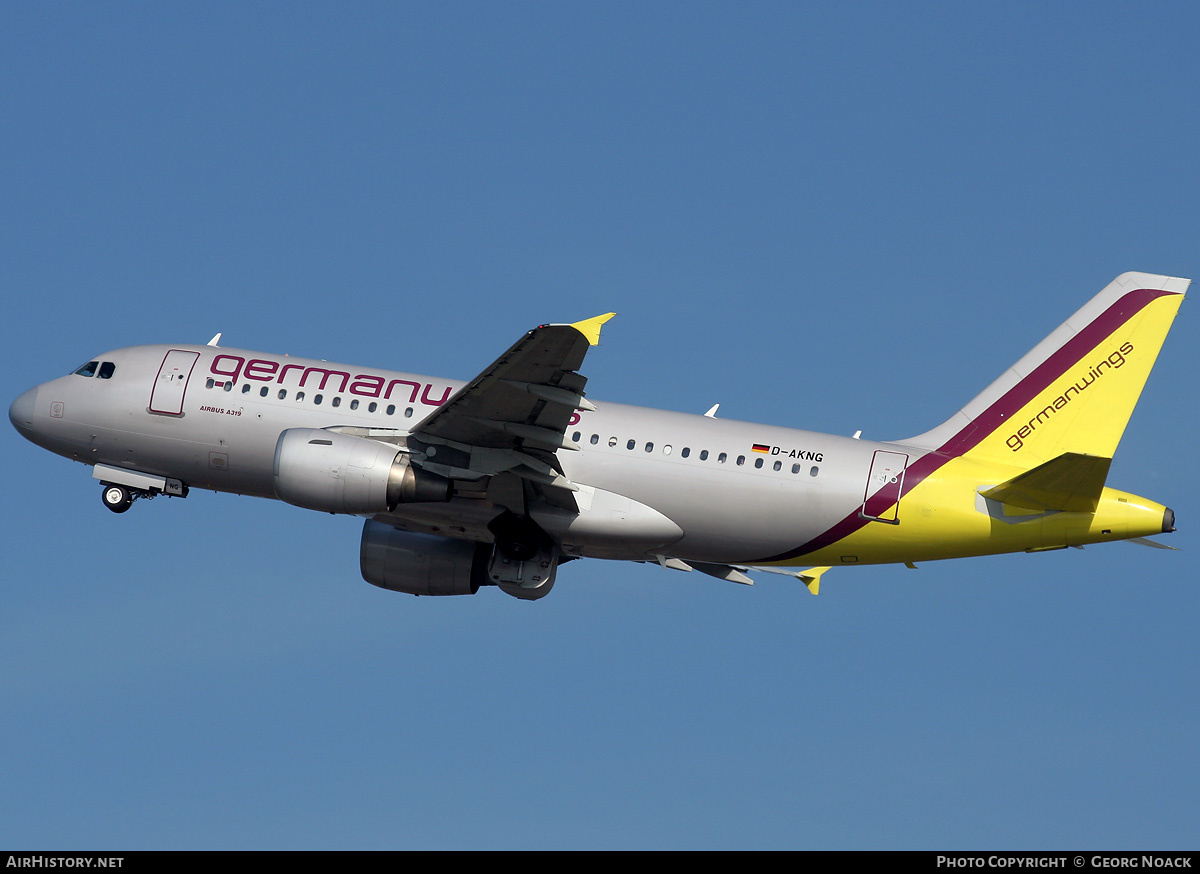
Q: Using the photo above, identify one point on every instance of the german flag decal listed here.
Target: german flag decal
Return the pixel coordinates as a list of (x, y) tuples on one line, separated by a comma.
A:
[(760, 447)]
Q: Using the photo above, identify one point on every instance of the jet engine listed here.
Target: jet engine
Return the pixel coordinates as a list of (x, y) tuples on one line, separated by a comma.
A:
[(338, 473), (426, 564), (421, 564)]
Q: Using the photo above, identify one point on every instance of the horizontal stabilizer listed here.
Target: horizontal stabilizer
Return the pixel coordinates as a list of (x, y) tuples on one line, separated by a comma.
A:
[(1146, 541), (1071, 482)]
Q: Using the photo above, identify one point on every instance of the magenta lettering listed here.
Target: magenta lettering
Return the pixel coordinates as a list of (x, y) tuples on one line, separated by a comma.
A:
[(426, 399), (232, 374), (283, 370), (261, 370), (370, 386), (234, 367), (416, 386), (324, 379)]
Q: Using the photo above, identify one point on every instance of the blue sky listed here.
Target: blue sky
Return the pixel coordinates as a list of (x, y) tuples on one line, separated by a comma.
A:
[(829, 216)]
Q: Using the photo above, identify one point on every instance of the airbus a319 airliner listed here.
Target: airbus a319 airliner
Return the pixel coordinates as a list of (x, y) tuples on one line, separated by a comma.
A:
[(499, 480)]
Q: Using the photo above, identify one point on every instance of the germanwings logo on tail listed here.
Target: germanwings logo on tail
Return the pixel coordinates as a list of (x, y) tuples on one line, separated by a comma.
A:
[(1114, 361)]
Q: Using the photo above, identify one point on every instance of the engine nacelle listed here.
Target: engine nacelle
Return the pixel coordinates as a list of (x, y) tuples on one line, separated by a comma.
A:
[(421, 564), (337, 473), (426, 564)]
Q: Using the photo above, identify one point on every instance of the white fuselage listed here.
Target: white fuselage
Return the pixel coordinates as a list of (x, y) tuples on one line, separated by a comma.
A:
[(218, 428)]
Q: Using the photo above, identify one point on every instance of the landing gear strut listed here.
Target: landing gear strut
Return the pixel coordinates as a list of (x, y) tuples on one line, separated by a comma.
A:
[(116, 498)]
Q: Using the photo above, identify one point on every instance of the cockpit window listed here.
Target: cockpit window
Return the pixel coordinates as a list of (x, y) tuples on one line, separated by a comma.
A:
[(106, 370), (88, 369)]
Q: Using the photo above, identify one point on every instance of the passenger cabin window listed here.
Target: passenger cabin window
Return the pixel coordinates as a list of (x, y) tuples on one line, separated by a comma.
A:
[(595, 439), (106, 370), (704, 455), (262, 392), (246, 389), (631, 444), (649, 447), (88, 369), (758, 462), (354, 404), (721, 458)]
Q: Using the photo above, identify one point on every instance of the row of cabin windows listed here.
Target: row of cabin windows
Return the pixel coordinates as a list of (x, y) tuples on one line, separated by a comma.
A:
[(686, 452), (373, 406), (317, 399)]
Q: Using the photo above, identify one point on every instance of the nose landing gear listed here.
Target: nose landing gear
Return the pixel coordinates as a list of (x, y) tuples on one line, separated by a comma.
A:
[(121, 486)]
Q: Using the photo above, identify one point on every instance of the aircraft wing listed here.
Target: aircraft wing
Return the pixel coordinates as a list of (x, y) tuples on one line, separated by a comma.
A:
[(513, 417)]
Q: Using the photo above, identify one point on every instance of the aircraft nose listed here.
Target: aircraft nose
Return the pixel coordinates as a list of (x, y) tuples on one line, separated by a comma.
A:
[(21, 412)]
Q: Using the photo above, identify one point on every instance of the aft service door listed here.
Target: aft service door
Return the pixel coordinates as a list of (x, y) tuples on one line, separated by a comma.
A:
[(885, 482), (171, 382)]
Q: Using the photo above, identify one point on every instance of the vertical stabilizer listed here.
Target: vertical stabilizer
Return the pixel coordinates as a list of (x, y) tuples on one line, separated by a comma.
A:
[(1074, 391)]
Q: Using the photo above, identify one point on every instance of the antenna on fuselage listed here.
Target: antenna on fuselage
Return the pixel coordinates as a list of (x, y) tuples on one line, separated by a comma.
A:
[(712, 414), (216, 338)]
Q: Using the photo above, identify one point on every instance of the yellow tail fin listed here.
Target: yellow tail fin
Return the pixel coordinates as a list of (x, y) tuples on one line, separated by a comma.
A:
[(1075, 391)]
